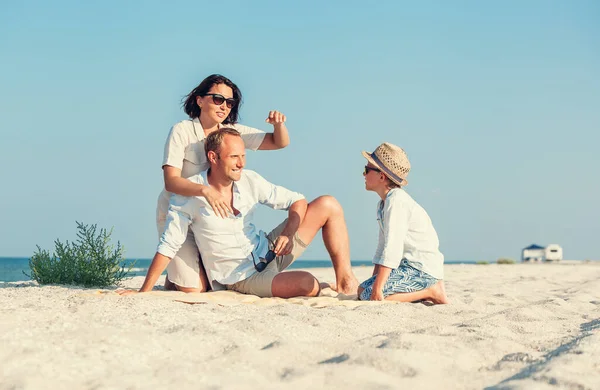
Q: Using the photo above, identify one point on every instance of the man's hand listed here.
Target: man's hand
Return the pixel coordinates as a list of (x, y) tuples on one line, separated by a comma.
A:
[(283, 245), (377, 295), (217, 201), (126, 292), (275, 118)]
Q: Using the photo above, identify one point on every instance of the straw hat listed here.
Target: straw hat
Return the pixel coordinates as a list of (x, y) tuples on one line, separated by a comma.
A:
[(392, 161)]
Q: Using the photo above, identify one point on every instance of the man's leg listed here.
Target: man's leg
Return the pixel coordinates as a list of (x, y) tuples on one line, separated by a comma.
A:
[(326, 213), (295, 284), (272, 283)]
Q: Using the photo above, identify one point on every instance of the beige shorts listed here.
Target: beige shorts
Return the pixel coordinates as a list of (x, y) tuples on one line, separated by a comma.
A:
[(185, 267), (260, 283)]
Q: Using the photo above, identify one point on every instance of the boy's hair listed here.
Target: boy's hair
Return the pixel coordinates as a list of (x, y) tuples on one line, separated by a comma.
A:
[(215, 139), (390, 183)]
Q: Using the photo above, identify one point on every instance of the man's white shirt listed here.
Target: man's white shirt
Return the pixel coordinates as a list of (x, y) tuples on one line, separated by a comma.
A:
[(226, 244)]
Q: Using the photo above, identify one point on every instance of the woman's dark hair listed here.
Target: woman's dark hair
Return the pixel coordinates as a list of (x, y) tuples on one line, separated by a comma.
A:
[(191, 107)]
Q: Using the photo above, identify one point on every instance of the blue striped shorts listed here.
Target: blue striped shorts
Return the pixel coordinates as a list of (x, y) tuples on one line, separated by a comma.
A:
[(404, 279)]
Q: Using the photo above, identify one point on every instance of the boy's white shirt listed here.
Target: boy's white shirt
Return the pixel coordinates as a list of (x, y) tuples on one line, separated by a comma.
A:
[(406, 232)]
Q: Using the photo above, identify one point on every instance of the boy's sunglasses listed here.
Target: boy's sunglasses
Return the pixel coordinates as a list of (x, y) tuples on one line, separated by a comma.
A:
[(369, 169), (269, 257), (219, 99)]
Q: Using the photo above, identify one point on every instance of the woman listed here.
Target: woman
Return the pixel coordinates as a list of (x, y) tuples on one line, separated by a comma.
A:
[(214, 103)]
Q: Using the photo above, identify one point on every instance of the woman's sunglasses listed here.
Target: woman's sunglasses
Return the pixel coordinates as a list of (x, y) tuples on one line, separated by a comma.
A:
[(369, 169), (269, 257), (219, 99)]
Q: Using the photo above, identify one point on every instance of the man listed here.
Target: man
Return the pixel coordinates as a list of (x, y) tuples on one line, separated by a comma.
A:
[(236, 255)]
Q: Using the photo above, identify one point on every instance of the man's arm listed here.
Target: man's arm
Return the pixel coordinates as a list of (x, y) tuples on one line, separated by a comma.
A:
[(158, 266), (178, 222), (296, 213)]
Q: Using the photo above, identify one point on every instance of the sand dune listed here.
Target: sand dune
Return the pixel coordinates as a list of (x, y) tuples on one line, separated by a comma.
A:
[(512, 326)]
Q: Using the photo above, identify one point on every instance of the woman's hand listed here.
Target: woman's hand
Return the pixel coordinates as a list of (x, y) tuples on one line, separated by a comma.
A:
[(275, 118), (217, 201)]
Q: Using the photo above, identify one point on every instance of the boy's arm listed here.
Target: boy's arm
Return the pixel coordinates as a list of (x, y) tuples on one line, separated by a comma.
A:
[(376, 269), (395, 229), (382, 276)]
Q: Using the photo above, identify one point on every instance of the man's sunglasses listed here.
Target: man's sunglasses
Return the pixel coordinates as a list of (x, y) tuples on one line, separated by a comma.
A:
[(369, 169), (269, 257), (219, 99)]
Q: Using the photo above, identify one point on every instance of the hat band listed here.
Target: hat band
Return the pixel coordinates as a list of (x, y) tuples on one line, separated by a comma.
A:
[(385, 169)]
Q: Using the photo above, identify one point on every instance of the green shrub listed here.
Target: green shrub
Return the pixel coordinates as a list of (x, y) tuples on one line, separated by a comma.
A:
[(505, 261), (89, 261), (482, 262)]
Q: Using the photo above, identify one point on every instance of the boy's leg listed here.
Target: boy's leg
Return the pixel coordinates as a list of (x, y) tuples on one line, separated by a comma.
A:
[(435, 294), (326, 213), (403, 282)]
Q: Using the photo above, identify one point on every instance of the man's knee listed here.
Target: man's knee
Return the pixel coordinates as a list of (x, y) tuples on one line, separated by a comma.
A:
[(308, 285), (330, 203)]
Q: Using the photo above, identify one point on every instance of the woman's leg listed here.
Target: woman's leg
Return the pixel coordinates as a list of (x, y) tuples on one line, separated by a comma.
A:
[(186, 267)]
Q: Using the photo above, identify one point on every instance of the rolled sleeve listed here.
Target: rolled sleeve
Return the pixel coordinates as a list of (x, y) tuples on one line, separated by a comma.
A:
[(176, 227), (276, 197), (394, 230), (252, 137), (175, 147)]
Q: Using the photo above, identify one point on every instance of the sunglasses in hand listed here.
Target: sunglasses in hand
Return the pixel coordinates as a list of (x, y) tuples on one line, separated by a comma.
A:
[(263, 263)]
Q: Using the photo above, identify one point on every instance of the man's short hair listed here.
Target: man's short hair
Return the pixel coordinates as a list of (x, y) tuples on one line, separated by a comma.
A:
[(215, 139)]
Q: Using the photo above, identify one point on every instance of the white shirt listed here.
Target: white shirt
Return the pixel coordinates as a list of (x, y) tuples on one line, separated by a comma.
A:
[(225, 244), (184, 149), (406, 232)]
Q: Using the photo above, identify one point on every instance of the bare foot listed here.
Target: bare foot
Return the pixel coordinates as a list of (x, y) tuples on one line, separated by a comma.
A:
[(347, 286), (438, 293)]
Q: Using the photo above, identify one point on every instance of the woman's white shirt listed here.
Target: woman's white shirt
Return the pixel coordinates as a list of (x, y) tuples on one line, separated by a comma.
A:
[(184, 149)]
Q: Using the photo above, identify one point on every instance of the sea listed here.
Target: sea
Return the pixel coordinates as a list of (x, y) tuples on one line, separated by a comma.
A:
[(16, 269)]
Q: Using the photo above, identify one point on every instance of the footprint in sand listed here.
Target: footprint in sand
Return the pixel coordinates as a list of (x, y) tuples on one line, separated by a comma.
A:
[(336, 359), (271, 345)]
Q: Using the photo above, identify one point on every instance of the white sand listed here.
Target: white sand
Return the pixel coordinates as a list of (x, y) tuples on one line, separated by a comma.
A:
[(514, 326)]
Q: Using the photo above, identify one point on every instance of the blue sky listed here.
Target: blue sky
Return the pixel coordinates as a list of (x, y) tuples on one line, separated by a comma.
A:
[(496, 104)]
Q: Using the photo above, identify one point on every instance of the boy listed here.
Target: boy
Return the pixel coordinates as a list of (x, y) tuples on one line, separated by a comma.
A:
[(408, 264)]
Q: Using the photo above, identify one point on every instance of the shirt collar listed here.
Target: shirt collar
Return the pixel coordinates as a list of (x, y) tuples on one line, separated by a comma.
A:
[(204, 175)]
